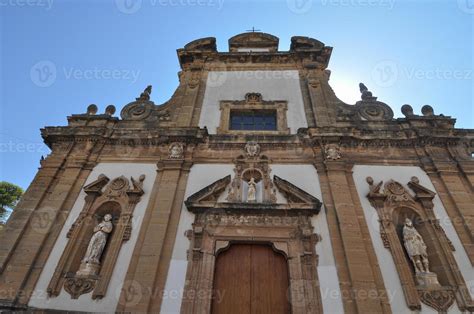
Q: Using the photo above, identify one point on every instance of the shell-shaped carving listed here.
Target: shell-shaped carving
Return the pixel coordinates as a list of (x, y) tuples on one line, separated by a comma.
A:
[(374, 111), (137, 110)]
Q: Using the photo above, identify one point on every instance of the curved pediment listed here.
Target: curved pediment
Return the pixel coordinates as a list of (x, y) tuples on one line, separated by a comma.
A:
[(301, 43), (254, 40), (202, 44)]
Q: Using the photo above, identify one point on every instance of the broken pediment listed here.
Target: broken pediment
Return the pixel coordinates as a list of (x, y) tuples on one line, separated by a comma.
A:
[(297, 200), (202, 44), (300, 43)]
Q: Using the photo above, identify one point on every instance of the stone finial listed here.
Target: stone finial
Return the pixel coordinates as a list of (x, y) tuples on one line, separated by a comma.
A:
[(365, 93), (369, 180), (91, 109), (427, 111), (146, 93), (407, 110), (110, 110)]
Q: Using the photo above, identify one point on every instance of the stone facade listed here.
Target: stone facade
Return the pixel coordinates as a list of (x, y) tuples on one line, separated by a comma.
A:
[(332, 187)]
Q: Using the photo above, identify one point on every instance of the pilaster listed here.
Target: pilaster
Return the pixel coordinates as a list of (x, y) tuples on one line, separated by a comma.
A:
[(152, 253)]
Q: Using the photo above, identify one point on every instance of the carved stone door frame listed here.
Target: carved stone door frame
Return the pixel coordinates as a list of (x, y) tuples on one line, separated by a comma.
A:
[(215, 230)]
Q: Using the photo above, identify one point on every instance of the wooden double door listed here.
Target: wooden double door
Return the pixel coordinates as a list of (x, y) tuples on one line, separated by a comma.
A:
[(250, 278)]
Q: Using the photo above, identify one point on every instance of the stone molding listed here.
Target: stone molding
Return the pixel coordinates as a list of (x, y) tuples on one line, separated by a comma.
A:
[(253, 101)]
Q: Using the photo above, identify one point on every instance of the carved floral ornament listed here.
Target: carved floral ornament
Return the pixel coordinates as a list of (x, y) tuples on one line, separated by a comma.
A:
[(419, 246), (249, 215), (105, 222)]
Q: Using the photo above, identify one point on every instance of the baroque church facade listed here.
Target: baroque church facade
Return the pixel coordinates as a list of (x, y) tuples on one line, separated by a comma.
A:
[(254, 189)]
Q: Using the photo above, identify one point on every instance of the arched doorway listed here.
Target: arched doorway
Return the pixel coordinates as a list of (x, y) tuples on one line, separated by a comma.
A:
[(250, 278)]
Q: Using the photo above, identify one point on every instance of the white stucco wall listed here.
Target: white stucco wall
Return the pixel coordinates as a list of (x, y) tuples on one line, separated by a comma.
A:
[(233, 85), (305, 177), (402, 174), (85, 303)]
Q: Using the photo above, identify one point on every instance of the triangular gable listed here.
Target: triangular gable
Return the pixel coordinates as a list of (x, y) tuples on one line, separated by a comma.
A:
[(293, 193), (210, 193), (420, 190), (299, 201)]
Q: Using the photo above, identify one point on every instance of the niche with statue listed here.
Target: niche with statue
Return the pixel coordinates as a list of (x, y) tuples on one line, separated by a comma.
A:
[(96, 237), (420, 248)]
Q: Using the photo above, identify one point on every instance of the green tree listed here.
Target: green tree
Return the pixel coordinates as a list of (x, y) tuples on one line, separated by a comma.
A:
[(9, 196)]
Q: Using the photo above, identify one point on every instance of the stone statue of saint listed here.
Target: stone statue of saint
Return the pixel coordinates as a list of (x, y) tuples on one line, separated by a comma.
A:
[(252, 191), (98, 240), (416, 247)]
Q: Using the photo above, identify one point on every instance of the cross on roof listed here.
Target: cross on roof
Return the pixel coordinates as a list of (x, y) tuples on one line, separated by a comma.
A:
[(253, 30)]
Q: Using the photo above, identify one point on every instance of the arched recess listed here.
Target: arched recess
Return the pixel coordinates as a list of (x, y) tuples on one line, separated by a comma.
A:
[(119, 199), (444, 283)]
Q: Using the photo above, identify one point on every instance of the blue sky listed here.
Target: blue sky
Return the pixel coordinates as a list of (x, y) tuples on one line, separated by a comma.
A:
[(57, 57)]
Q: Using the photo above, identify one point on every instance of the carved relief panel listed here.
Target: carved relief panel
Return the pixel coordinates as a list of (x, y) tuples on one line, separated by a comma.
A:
[(419, 246), (96, 236)]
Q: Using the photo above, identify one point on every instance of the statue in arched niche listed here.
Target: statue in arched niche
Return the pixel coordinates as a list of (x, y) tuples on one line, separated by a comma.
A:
[(98, 240), (252, 190), (416, 247)]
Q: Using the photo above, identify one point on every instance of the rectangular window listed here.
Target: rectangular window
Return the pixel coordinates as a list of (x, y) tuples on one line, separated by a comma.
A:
[(253, 120)]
